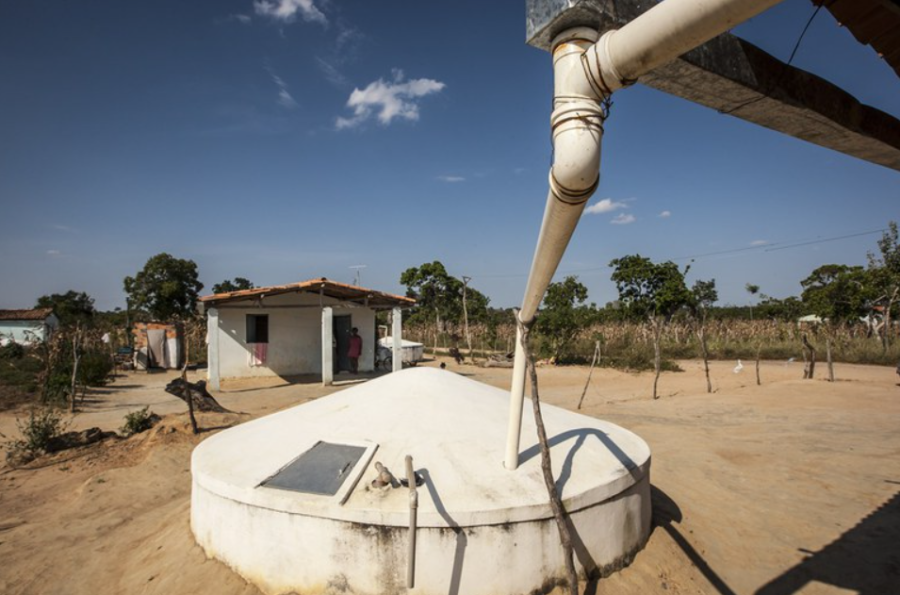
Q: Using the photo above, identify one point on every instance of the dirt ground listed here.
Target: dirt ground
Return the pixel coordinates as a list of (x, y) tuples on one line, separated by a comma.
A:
[(788, 487)]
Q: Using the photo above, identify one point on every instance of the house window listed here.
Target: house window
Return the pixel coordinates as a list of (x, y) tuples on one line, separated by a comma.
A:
[(257, 328)]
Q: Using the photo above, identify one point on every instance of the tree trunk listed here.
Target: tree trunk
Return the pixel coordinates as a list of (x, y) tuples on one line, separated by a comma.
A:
[(701, 337), (828, 357), (809, 369), (758, 350), (594, 361), (76, 353), (556, 505), (657, 359), (466, 320)]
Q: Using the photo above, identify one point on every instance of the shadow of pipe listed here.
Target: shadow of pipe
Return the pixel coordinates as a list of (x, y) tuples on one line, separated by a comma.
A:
[(581, 435), (462, 540), (665, 514)]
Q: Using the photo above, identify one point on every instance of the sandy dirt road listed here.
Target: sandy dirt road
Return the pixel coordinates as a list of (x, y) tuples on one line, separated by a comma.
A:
[(788, 487)]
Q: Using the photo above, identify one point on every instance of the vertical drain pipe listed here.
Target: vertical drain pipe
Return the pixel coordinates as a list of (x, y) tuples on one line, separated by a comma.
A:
[(413, 511), (587, 71)]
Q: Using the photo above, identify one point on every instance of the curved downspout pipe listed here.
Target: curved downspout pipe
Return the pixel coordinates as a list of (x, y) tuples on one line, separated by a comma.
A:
[(587, 71), (577, 124)]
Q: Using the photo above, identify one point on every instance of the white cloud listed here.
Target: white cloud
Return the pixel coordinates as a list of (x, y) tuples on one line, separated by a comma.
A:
[(243, 18), (394, 99), (759, 242), (285, 99), (665, 214), (623, 219), (286, 10), (53, 252), (607, 205), (331, 73), (451, 179)]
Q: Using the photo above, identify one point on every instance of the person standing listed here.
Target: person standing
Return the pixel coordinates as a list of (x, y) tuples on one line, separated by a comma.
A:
[(354, 350)]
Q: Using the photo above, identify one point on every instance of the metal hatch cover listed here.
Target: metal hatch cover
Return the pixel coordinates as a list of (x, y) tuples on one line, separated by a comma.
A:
[(322, 469)]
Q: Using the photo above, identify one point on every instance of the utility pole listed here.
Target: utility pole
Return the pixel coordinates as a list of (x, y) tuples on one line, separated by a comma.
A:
[(466, 317)]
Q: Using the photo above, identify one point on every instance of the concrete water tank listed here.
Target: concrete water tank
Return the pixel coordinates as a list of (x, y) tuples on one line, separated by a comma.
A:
[(287, 500)]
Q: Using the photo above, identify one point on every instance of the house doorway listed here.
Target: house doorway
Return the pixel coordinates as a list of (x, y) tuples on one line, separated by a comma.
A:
[(342, 325)]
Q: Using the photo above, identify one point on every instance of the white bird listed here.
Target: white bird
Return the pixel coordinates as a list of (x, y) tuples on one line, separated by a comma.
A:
[(738, 367)]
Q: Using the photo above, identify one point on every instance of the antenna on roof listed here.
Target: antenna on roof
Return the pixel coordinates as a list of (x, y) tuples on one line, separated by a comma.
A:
[(358, 268)]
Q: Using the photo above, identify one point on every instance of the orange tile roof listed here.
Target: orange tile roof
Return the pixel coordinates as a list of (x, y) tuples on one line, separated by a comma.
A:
[(33, 314), (333, 289)]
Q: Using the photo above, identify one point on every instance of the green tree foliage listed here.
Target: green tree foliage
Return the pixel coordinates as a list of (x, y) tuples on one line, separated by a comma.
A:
[(70, 308), (439, 295), (650, 291), (786, 309), (227, 286), (752, 290), (884, 273), (166, 288), (563, 314), (703, 295), (837, 292)]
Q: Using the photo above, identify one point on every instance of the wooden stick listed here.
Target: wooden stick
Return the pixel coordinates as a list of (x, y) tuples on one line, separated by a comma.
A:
[(556, 505), (591, 371)]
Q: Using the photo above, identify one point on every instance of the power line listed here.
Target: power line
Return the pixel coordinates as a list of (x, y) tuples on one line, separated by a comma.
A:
[(767, 247)]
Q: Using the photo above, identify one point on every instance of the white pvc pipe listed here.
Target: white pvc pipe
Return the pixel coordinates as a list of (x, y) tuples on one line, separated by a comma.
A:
[(656, 37), (666, 31), (516, 402), (577, 130)]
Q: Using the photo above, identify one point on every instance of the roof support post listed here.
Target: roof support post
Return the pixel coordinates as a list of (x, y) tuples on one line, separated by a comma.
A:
[(397, 339), (327, 346), (212, 347)]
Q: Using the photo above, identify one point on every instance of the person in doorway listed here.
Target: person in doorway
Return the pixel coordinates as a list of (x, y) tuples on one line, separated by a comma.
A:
[(354, 350)]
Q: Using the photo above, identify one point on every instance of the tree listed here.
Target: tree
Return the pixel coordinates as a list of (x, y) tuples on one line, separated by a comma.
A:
[(703, 296), (562, 314), (227, 286), (838, 294), (439, 296), (752, 290), (650, 291), (70, 308), (166, 288), (884, 269)]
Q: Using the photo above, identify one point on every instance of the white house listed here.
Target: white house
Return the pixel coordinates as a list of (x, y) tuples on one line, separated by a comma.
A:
[(27, 326), (281, 330)]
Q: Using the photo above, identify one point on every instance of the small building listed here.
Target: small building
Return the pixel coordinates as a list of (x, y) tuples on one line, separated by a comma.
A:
[(281, 330), (27, 326), (157, 345)]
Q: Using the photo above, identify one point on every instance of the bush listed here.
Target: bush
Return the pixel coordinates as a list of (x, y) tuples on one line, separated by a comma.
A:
[(139, 421), (11, 351), (41, 427), (94, 369)]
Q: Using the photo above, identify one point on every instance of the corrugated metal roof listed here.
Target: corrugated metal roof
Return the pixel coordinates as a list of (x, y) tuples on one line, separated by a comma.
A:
[(34, 314), (872, 22), (333, 289)]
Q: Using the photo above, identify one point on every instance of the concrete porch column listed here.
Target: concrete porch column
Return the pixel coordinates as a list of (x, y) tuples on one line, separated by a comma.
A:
[(397, 340), (327, 347), (212, 348)]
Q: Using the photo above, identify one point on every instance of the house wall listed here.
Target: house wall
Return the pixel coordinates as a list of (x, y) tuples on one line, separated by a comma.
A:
[(24, 331), (295, 336)]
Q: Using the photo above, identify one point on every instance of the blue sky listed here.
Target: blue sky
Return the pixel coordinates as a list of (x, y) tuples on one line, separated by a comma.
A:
[(288, 139)]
